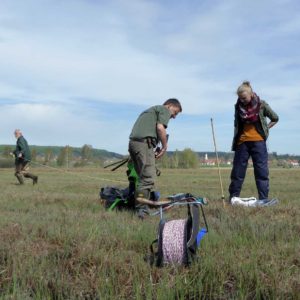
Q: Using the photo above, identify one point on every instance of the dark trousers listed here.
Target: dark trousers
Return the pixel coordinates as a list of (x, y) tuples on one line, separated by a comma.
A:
[(21, 170), (259, 154)]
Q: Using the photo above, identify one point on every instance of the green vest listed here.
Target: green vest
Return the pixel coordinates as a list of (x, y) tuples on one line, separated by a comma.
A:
[(145, 125)]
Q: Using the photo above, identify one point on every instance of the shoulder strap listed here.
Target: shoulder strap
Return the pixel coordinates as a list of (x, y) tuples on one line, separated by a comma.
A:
[(194, 221), (156, 256), (153, 254)]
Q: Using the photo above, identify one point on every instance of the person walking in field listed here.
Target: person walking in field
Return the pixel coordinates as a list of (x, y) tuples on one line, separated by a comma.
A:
[(148, 130), (251, 130), (22, 159)]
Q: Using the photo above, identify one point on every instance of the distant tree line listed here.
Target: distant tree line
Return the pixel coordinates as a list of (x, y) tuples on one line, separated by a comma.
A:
[(59, 156), (68, 156), (180, 159)]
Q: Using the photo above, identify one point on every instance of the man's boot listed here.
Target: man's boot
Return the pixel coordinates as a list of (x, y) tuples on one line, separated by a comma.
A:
[(33, 177), (141, 196), (20, 178), (35, 180)]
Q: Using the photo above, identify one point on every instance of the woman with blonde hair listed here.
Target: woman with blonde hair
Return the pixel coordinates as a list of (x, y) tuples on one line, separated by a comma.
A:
[(251, 131)]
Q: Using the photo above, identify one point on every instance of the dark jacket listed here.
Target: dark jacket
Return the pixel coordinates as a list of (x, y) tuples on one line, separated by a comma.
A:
[(261, 125), (23, 148)]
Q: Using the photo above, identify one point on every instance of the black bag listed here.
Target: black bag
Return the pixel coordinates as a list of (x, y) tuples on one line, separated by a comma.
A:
[(115, 197)]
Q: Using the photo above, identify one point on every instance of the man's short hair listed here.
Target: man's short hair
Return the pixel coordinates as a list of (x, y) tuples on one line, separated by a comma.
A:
[(174, 102)]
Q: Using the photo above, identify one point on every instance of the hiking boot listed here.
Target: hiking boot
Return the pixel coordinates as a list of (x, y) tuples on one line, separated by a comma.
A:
[(35, 180), (31, 176), (20, 178), (142, 195), (142, 211)]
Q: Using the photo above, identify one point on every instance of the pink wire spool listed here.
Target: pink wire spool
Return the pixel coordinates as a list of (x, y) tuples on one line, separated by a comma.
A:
[(177, 240), (174, 242)]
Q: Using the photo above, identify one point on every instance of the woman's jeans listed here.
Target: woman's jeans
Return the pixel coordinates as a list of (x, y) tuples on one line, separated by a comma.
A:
[(259, 154)]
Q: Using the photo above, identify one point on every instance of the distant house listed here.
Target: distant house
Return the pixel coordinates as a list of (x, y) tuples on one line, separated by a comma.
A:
[(211, 162), (293, 163), (207, 162)]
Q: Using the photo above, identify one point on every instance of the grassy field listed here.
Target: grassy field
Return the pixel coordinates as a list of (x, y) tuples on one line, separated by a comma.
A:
[(58, 242)]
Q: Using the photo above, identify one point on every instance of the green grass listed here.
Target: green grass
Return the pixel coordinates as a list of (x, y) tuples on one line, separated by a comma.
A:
[(58, 242)]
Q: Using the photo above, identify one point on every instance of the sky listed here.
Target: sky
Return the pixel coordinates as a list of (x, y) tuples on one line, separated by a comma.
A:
[(75, 72)]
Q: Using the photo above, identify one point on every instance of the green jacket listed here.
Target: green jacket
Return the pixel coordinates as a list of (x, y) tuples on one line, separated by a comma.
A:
[(261, 125), (145, 125), (23, 148)]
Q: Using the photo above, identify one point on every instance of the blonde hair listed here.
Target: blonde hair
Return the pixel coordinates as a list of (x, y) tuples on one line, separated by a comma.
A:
[(244, 87)]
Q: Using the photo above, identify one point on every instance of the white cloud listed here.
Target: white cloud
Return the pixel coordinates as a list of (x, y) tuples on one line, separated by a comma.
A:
[(62, 125), (143, 52)]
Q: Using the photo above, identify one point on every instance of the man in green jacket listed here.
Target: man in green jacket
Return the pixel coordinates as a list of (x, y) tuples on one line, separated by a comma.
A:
[(22, 159), (148, 130)]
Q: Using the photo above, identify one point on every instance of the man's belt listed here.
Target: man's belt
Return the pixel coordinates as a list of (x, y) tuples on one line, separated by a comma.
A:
[(144, 140), (149, 140)]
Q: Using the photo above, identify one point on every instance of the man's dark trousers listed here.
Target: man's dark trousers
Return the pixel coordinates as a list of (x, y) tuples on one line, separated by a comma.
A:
[(259, 154)]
